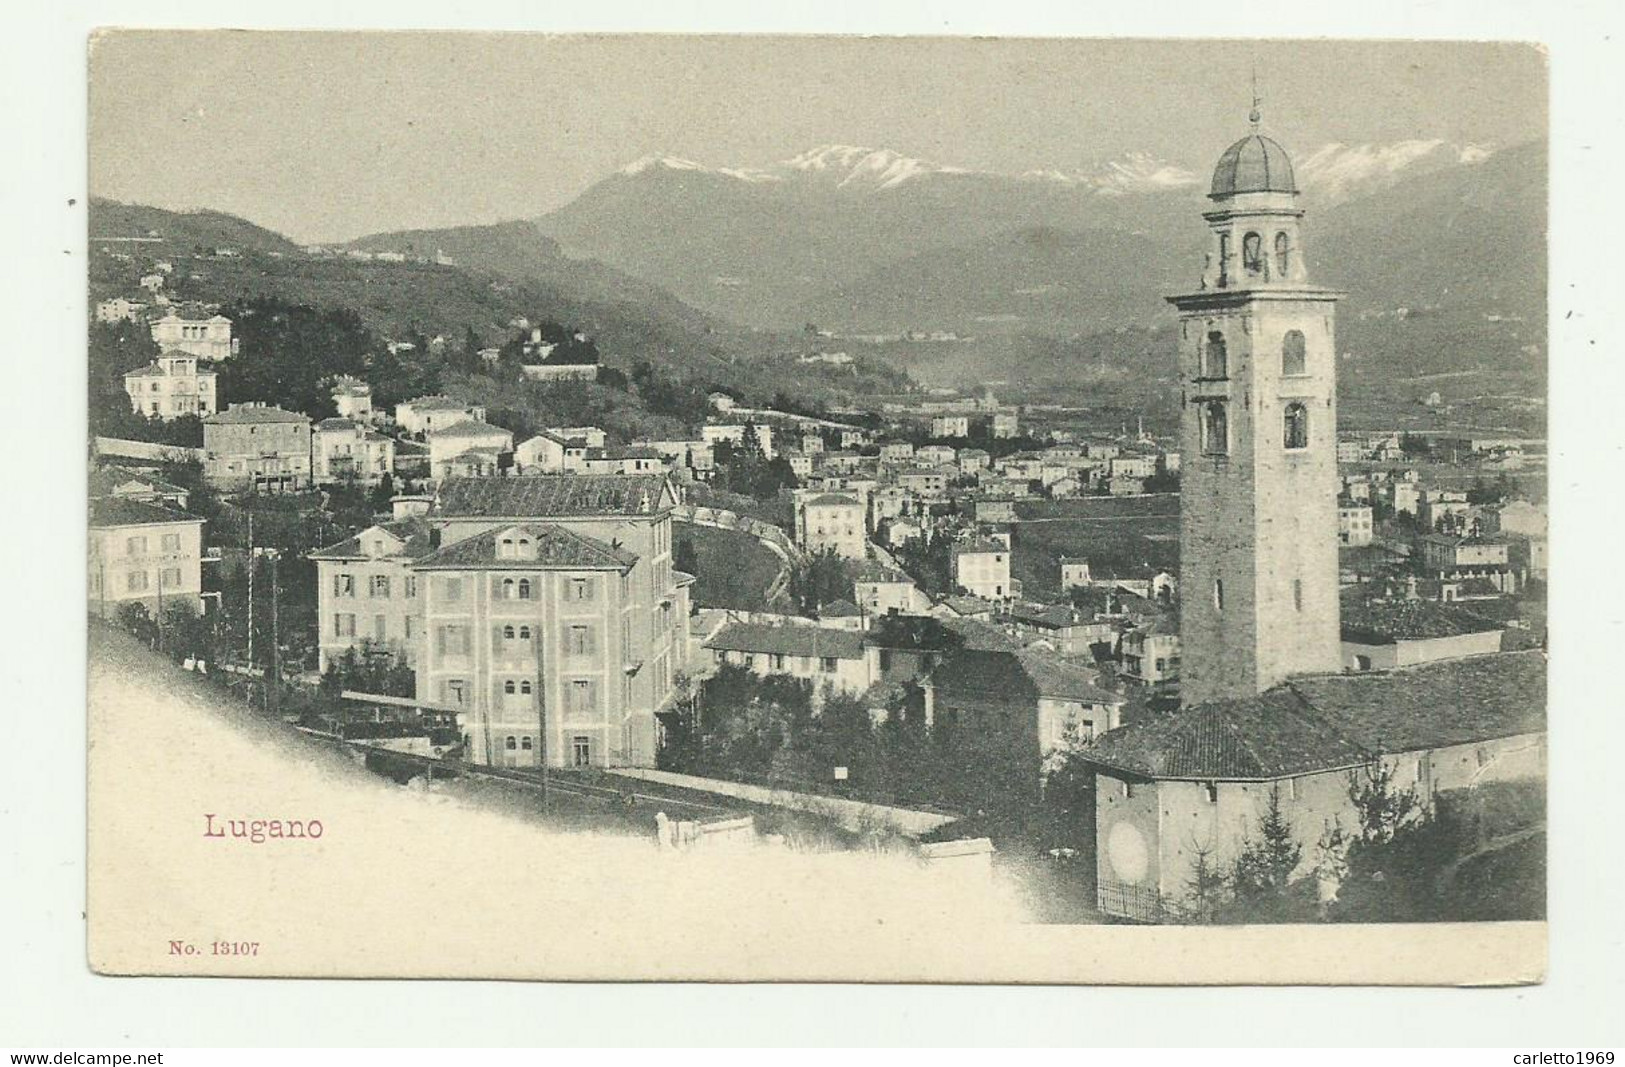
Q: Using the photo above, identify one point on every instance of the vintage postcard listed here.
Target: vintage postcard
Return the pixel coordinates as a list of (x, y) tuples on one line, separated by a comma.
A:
[(817, 508)]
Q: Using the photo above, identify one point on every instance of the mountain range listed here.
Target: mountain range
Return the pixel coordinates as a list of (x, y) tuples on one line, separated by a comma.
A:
[(866, 239)]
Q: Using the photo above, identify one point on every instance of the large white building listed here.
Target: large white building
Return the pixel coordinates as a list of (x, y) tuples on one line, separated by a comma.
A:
[(982, 569), (834, 521), (171, 386), (553, 620), (342, 450), (206, 338), (144, 553)]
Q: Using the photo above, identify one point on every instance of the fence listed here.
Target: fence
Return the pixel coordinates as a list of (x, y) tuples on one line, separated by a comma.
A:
[(147, 450), (855, 815)]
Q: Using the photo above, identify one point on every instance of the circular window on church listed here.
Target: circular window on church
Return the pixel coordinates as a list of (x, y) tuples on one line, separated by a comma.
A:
[(1130, 859)]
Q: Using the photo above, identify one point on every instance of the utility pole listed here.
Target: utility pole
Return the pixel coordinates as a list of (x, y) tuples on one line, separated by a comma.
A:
[(251, 589), (273, 692)]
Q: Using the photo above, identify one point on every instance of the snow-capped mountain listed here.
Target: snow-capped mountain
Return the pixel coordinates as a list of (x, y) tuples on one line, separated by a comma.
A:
[(1338, 171), (821, 235), (860, 168)]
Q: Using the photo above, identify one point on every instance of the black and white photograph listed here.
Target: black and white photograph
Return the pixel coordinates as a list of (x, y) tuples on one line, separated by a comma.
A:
[(770, 495)]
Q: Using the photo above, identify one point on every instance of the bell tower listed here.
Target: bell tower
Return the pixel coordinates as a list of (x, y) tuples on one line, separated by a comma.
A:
[(1258, 484)]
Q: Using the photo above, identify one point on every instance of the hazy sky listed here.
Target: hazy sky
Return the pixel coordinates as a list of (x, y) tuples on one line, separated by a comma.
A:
[(331, 136)]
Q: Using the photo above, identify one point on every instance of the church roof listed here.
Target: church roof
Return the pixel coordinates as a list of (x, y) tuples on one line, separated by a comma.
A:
[(1254, 164)]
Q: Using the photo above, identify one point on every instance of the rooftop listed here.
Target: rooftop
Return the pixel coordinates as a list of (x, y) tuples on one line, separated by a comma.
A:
[(1025, 676), (1254, 164), (109, 512), (244, 416), (556, 549), (1388, 621), (788, 640), (540, 496), (413, 535), (1334, 721), (471, 428)]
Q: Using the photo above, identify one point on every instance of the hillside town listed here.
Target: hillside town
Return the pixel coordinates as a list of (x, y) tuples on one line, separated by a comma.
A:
[(1170, 673)]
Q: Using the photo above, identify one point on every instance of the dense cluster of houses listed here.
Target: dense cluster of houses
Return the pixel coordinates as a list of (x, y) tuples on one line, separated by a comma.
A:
[(533, 592)]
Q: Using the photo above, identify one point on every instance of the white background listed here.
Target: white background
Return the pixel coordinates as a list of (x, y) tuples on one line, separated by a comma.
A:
[(48, 998)]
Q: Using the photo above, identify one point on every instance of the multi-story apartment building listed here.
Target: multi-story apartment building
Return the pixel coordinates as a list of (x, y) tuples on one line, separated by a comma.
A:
[(427, 414), (824, 656), (834, 521), (119, 309), (206, 338), (982, 569), (449, 442), (170, 386), (1005, 426), (553, 619), (367, 594), (344, 450), (252, 446), (734, 433), (352, 397), (1353, 523), (950, 426), (143, 553), (1150, 654)]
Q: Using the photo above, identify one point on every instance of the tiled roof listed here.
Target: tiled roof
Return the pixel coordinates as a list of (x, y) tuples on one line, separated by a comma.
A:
[(1387, 621), (839, 609), (1433, 705), (925, 633), (556, 548), (788, 640), (244, 416), (413, 534), (1056, 677), (540, 496), (335, 424), (1331, 721), (437, 403), (834, 498), (107, 480), (471, 428), (118, 511), (1001, 677), (1051, 615), (978, 548), (1275, 735)]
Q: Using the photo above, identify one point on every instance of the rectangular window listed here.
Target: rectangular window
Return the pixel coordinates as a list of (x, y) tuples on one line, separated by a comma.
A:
[(343, 625), (135, 546), (380, 628), (581, 751), (172, 542), (344, 585), (409, 627), (411, 586), (582, 699), (829, 664), (455, 692), (581, 642), (136, 582), (170, 578), (380, 586), (581, 589), (778, 661), (451, 589), (454, 640)]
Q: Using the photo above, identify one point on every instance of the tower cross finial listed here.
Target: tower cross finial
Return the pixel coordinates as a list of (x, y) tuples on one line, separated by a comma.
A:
[(1255, 116)]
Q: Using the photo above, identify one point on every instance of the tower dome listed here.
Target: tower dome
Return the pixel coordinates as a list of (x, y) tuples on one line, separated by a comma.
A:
[(1254, 164)]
